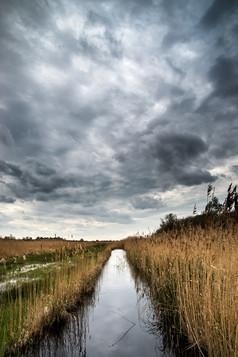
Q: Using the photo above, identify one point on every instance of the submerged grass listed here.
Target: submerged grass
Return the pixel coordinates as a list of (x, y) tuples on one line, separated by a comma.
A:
[(45, 295), (193, 275)]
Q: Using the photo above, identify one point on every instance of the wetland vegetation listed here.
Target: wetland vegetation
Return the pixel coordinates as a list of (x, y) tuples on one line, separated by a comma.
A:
[(192, 271), (189, 267), (39, 290)]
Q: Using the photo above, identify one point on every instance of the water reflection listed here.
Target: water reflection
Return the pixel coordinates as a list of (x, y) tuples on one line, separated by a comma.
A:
[(156, 320), (117, 320)]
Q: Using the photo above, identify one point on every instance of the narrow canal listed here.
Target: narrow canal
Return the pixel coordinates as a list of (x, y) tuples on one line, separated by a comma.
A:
[(114, 322)]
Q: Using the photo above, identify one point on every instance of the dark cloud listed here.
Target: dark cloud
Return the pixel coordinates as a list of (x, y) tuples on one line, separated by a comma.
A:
[(178, 157), (177, 149), (184, 106), (10, 169), (227, 145), (36, 181), (40, 168), (5, 199), (235, 169), (172, 38), (5, 136), (194, 177), (107, 106), (22, 128), (224, 75), (162, 161), (27, 183), (146, 202), (217, 11), (171, 6)]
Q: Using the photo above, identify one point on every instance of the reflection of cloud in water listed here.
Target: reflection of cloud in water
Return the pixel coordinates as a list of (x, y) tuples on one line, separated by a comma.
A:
[(116, 320), (157, 320), (67, 338)]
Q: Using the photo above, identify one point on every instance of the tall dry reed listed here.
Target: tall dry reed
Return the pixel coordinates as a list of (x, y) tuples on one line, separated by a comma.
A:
[(193, 276), (26, 311), (19, 247)]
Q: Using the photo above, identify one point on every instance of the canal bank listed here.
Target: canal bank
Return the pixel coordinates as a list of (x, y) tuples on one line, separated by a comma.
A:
[(113, 321)]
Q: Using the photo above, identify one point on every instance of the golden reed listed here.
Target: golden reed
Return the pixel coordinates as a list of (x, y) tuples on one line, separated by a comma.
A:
[(194, 273)]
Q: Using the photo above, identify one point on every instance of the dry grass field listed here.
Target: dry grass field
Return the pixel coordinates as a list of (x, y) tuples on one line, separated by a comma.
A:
[(13, 247)]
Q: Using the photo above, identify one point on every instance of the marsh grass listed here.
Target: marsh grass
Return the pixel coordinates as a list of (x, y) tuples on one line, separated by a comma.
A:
[(192, 274), (47, 294), (19, 248)]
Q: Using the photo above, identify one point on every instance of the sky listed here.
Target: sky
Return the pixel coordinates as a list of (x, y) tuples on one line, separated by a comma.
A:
[(114, 113)]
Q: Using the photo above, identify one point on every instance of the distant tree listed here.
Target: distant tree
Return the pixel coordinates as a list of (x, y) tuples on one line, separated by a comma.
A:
[(214, 206), (10, 237), (27, 238), (169, 222)]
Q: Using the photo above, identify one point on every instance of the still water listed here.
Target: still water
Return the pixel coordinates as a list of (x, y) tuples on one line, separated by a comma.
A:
[(114, 322)]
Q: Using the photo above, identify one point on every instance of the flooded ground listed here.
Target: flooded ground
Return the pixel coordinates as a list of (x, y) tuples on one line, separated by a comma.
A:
[(25, 274), (114, 322)]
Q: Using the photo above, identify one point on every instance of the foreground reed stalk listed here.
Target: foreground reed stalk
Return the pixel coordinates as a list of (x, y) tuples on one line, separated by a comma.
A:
[(26, 311), (193, 275)]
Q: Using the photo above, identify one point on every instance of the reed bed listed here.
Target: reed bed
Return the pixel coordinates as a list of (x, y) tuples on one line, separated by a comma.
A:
[(193, 278), (18, 247), (27, 310)]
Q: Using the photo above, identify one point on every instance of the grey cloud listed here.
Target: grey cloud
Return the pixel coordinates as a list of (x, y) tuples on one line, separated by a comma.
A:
[(42, 183), (10, 169), (22, 126), (113, 216), (27, 183), (177, 70), (177, 91), (186, 105), (177, 148), (172, 38), (226, 145), (235, 169), (101, 47), (171, 6), (163, 160), (5, 199), (235, 31), (194, 177), (178, 157), (40, 168), (146, 202), (5, 136), (100, 213), (94, 18), (224, 75), (217, 11), (104, 103), (32, 14)]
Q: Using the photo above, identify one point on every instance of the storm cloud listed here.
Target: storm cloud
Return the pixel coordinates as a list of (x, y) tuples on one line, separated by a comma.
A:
[(114, 113)]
